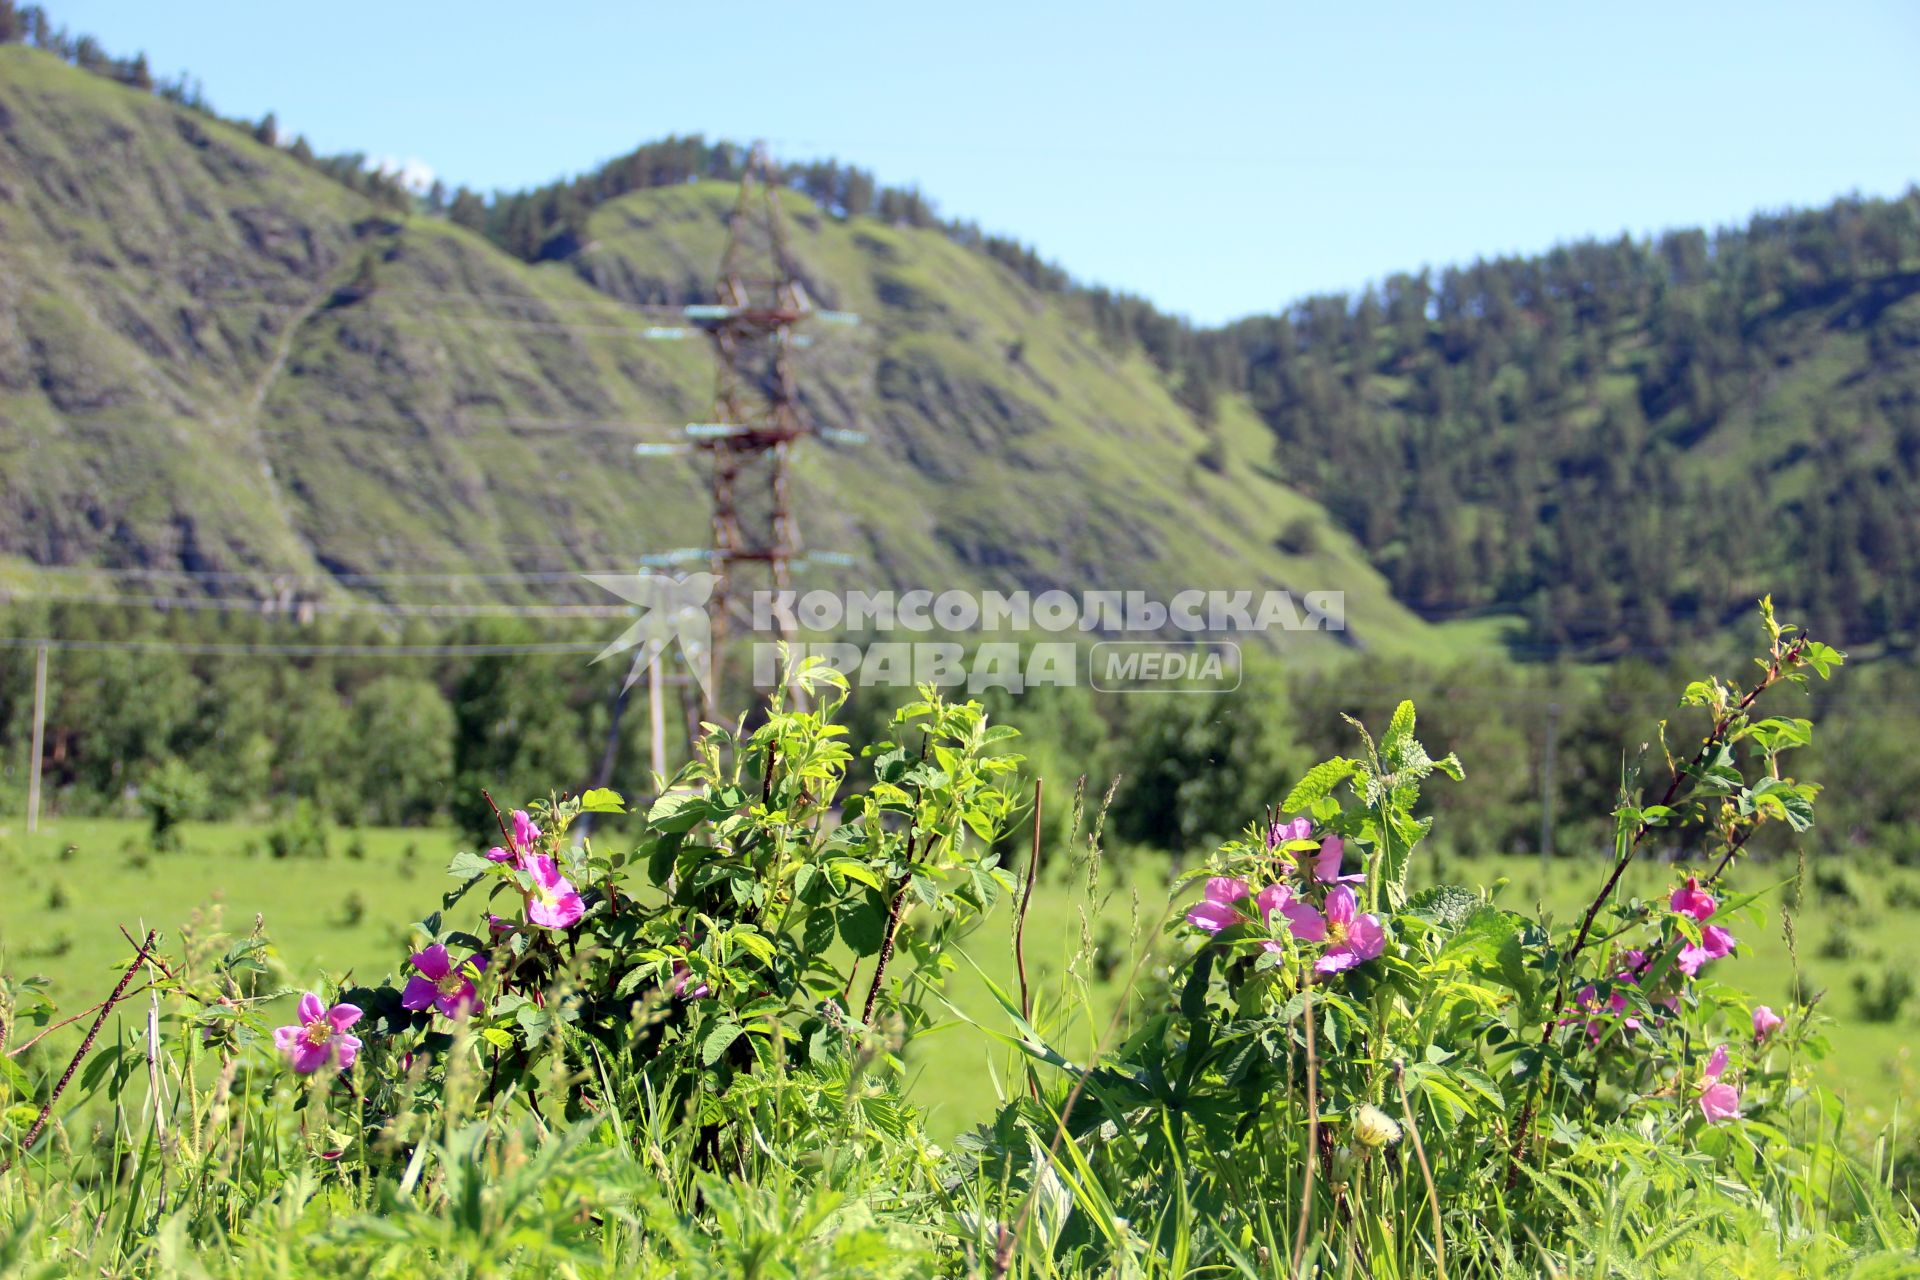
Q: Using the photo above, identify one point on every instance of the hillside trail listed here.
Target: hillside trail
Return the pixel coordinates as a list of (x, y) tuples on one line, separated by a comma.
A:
[(245, 419)]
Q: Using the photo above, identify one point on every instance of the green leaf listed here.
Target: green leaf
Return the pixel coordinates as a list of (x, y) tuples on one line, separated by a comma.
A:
[(677, 811), (1399, 729), (855, 870), (466, 864), (863, 926), (1318, 782), (104, 1061), (718, 1041), (602, 800), (752, 940), (1446, 905), (1193, 997), (1822, 658), (660, 851), (816, 935)]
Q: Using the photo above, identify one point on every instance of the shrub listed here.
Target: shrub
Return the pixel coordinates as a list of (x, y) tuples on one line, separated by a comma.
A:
[(301, 832), (173, 793), (1300, 536), (1883, 999), (1840, 944)]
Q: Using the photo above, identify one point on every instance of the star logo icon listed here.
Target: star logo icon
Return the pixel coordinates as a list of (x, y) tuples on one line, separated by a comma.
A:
[(669, 609)]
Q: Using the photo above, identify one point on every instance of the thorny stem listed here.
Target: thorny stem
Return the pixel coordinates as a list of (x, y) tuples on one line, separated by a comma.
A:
[(19, 1049), (1721, 728), (886, 944), (895, 908), (86, 1046), (504, 833), (1733, 851)]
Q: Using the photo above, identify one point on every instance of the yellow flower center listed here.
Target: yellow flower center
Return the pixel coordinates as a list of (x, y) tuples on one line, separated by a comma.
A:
[(318, 1033), (1336, 932)]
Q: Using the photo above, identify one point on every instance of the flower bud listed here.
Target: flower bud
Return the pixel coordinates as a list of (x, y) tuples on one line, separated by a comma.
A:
[(1345, 1161)]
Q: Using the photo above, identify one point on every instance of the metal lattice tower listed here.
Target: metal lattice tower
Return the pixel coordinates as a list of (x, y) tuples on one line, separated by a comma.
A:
[(757, 416)]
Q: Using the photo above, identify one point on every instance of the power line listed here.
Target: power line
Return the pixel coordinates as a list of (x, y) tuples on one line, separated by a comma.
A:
[(309, 575), (287, 578), (650, 432), (267, 605), (684, 311), (242, 649)]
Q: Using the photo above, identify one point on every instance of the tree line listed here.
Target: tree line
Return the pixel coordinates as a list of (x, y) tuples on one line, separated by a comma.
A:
[(385, 739)]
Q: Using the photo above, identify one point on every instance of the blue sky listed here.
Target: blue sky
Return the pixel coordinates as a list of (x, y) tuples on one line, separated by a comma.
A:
[(1219, 158)]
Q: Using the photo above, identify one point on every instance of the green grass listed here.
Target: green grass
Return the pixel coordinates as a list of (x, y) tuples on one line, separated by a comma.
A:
[(100, 869)]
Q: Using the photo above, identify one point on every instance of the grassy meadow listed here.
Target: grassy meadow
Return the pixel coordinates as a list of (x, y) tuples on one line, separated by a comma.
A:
[(75, 883)]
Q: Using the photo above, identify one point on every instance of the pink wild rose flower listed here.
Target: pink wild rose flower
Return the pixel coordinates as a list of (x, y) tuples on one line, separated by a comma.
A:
[(1325, 868), (1718, 1099), (1714, 943), (683, 975), (1691, 900), (440, 985), (1352, 936), (1589, 1004), (1765, 1022), (553, 903), (320, 1036), (1219, 905), (1279, 834), (1273, 900), (525, 832)]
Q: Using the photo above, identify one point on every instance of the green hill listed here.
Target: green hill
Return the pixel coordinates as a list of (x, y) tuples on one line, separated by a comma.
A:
[(216, 359)]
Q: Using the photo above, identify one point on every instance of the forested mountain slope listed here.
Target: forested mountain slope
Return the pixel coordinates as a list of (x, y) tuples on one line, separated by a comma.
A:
[(216, 357), (1625, 441)]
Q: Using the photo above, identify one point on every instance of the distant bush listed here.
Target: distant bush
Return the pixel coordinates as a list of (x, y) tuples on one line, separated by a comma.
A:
[(1300, 536), (1838, 882), (1885, 997), (300, 832), (173, 793)]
